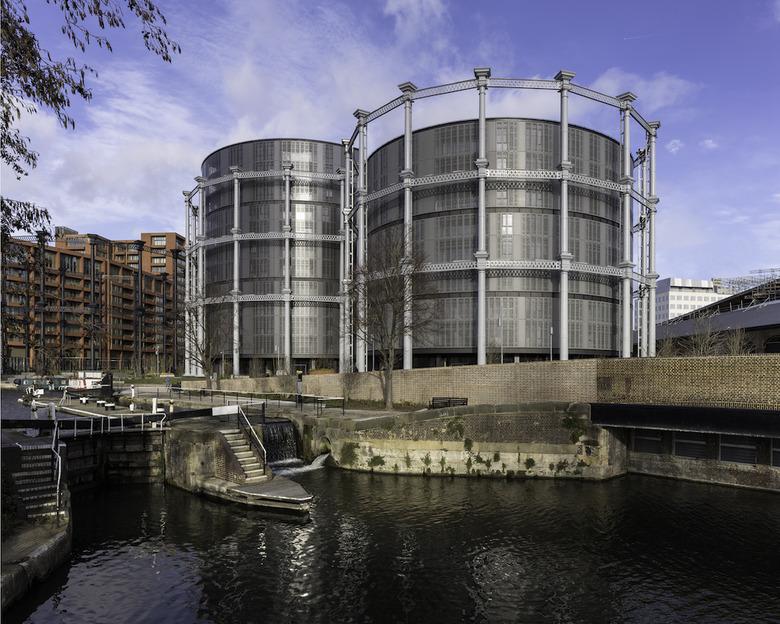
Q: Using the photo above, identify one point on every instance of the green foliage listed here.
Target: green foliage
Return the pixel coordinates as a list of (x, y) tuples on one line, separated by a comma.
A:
[(427, 460), (396, 467), (33, 78), (496, 457), (468, 444), (575, 425), (375, 461), (455, 427), (469, 464), (408, 461), (349, 453), (442, 462), (529, 463)]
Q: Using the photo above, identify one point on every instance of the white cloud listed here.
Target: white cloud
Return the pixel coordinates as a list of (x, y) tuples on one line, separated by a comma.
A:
[(674, 146), (661, 90), (708, 144), (414, 17), (776, 198)]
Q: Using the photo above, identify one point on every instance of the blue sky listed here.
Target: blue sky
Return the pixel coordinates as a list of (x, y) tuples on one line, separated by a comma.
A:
[(708, 70)]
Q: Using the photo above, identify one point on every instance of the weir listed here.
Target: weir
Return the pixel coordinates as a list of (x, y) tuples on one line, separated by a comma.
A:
[(279, 441)]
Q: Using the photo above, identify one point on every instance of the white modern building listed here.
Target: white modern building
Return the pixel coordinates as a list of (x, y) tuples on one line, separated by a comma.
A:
[(676, 296)]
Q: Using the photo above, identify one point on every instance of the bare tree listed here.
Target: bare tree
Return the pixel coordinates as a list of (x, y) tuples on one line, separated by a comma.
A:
[(666, 347), (704, 340), (735, 342), (216, 327), (381, 283)]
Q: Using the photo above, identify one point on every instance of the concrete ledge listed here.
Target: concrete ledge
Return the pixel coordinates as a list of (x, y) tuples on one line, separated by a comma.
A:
[(24, 565), (278, 494)]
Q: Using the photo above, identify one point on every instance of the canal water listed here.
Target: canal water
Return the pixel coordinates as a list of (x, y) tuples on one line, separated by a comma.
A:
[(409, 549)]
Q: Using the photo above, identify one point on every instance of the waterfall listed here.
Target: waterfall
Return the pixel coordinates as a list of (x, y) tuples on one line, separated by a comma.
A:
[(319, 462), (279, 441)]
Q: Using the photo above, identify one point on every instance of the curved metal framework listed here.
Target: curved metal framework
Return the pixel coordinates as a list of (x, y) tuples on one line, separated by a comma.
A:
[(354, 198), (643, 193)]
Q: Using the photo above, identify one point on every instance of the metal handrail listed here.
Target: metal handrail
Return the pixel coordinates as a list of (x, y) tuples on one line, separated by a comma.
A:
[(55, 442), (254, 439)]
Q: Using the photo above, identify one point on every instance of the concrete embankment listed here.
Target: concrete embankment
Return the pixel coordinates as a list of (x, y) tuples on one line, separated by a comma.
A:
[(30, 555), (533, 440)]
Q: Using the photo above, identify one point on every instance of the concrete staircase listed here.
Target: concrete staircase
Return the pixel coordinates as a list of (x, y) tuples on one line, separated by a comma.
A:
[(252, 467), (35, 484)]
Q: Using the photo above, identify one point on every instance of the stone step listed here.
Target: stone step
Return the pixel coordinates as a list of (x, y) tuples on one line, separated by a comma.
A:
[(27, 474), (258, 479), (240, 454), (248, 460), (44, 506), (37, 457), (39, 496), (42, 465), (242, 448), (256, 472), (43, 514), (235, 440), (36, 488), (229, 431)]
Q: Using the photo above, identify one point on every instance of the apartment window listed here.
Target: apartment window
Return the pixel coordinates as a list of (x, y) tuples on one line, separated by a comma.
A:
[(693, 445), (70, 263), (739, 449), (158, 241), (647, 441), (158, 269), (158, 260)]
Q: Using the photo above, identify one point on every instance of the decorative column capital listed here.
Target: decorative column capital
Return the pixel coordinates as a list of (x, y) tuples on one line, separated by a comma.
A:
[(625, 100), (234, 169), (406, 175), (481, 164), (341, 171), (564, 77), (566, 259), (626, 180), (235, 231), (407, 88), (287, 167), (201, 181), (235, 293), (654, 125), (361, 115), (566, 168), (482, 74)]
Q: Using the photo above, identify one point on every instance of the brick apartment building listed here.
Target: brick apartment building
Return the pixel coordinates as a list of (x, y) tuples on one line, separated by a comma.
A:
[(93, 308)]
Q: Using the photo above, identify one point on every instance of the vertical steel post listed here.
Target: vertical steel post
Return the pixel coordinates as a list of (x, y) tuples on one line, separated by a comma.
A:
[(342, 291), (348, 267), (187, 284), (200, 225), (642, 312), (626, 265), (482, 75), (175, 306), (236, 231), (361, 350), (408, 88), (564, 77), (286, 290), (653, 200)]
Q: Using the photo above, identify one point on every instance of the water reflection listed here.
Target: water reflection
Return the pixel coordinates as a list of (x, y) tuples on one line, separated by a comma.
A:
[(400, 549)]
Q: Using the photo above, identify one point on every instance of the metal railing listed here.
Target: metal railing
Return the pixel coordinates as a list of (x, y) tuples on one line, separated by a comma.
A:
[(254, 440), (56, 467), (225, 397)]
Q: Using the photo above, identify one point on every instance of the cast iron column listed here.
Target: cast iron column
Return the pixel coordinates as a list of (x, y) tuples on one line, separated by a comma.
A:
[(342, 292), (626, 264), (482, 74), (201, 285), (407, 174), (564, 77), (236, 282), (175, 286), (349, 364), (187, 283), (653, 200), (642, 311), (286, 290), (361, 351)]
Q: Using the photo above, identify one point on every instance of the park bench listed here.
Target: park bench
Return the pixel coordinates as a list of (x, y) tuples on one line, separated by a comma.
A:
[(110, 406), (439, 402)]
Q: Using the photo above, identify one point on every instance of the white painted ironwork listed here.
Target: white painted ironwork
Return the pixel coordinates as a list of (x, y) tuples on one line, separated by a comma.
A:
[(595, 95), (388, 190), (523, 83), (452, 87), (522, 174), (578, 178)]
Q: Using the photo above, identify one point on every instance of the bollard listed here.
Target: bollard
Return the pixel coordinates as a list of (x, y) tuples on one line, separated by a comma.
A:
[(74, 427), (154, 405)]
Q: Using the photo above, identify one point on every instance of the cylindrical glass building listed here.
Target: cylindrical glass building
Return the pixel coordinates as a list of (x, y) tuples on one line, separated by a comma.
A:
[(522, 218), (311, 234)]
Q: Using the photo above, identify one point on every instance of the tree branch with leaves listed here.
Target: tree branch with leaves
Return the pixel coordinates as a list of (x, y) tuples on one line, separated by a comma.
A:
[(32, 78)]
